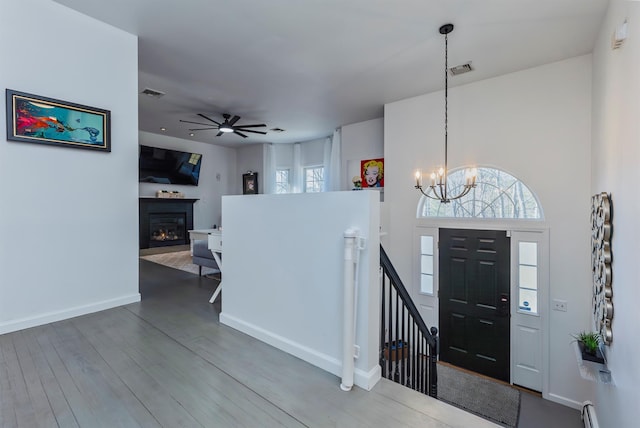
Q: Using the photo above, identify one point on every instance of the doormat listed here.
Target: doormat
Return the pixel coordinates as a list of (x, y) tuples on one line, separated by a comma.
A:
[(484, 397)]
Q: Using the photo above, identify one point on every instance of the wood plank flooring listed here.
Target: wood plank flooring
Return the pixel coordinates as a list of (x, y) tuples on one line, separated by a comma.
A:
[(167, 362)]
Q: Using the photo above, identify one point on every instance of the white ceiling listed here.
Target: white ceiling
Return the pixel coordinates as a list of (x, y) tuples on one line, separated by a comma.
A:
[(309, 66)]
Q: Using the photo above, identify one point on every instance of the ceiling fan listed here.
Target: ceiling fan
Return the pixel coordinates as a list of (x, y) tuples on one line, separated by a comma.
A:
[(229, 125)]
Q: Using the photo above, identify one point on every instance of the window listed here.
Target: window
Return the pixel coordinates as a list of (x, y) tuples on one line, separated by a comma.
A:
[(528, 277), (426, 264), (282, 181), (313, 179), (497, 194)]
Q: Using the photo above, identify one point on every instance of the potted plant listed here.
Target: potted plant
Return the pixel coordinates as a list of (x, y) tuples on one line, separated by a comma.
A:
[(589, 345)]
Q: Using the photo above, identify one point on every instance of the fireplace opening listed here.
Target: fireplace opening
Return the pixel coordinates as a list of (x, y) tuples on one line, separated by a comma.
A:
[(165, 221), (167, 229)]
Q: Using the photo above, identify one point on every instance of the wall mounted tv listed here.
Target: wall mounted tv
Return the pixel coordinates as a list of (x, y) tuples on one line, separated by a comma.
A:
[(169, 166)]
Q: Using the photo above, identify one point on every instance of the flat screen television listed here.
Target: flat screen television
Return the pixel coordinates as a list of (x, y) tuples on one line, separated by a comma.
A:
[(167, 166)]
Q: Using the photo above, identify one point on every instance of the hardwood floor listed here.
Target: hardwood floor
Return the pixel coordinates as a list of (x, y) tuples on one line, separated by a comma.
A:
[(167, 362)]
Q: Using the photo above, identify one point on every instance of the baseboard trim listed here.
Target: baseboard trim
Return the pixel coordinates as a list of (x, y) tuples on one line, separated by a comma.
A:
[(363, 379), (563, 400), (49, 317)]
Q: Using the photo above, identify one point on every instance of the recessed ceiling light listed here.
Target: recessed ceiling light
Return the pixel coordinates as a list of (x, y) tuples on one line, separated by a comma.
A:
[(163, 129), (191, 134)]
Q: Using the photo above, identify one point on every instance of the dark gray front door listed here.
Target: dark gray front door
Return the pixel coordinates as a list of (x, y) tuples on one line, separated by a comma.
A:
[(474, 300)]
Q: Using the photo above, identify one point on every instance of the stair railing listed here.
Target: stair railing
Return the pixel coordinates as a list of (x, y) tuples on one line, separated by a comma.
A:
[(408, 349)]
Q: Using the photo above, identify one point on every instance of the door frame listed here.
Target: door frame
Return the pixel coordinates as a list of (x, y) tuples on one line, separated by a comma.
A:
[(431, 226)]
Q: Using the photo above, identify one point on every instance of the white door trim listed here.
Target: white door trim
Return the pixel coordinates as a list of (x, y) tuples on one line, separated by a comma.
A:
[(519, 228)]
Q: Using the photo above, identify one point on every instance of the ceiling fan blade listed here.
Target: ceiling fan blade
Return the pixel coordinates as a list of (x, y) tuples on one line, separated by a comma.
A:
[(219, 134), (202, 129), (209, 119), (257, 125), (250, 130), (234, 120), (197, 123), (240, 134)]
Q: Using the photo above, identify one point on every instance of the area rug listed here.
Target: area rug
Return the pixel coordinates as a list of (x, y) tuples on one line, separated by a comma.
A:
[(179, 260), (486, 398)]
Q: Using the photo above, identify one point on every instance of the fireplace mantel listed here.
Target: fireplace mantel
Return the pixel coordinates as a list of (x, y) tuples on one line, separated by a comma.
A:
[(150, 206)]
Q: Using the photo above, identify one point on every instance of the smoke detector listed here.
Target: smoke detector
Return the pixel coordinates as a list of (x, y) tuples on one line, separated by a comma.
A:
[(461, 69), (152, 93)]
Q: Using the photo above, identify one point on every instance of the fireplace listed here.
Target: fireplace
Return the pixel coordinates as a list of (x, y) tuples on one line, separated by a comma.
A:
[(165, 229), (165, 222)]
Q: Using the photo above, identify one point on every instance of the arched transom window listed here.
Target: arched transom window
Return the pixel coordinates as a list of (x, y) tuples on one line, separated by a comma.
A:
[(497, 194)]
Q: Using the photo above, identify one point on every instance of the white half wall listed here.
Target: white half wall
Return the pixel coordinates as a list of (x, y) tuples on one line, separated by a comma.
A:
[(283, 274), (615, 160), (217, 177), (69, 244), (536, 125)]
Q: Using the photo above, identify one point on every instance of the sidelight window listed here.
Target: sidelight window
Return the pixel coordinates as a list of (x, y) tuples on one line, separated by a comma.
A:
[(528, 277), (426, 264)]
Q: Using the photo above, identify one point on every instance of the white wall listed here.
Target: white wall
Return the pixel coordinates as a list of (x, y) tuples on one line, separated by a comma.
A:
[(70, 217), (283, 269), (363, 140), (217, 177), (534, 124), (311, 154), (615, 160), (250, 158)]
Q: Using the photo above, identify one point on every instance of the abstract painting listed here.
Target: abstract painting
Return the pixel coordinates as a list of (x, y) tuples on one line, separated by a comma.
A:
[(35, 119)]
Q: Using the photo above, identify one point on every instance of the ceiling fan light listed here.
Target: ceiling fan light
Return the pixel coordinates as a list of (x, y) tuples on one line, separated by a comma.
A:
[(225, 128)]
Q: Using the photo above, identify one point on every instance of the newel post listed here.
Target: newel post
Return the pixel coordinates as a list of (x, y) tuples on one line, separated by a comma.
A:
[(434, 349)]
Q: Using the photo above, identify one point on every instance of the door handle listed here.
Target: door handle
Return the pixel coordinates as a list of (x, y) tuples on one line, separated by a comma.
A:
[(503, 305)]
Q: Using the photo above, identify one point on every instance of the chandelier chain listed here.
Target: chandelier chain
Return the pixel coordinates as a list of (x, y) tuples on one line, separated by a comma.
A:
[(439, 181), (446, 111)]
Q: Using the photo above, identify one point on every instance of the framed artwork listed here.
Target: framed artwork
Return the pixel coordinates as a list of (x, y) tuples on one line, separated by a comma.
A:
[(35, 119), (250, 183), (372, 173)]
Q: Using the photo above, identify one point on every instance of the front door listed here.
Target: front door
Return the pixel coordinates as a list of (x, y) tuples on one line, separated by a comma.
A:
[(474, 300)]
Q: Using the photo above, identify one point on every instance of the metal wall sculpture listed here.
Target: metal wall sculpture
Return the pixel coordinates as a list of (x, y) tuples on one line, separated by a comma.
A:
[(601, 230)]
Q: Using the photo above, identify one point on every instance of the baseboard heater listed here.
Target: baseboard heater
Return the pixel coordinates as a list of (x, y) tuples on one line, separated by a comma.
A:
[(589, 418)]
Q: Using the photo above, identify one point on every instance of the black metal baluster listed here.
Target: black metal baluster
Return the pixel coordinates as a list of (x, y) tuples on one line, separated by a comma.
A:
[(390, 335), (415, 353), (403, 362), (382, 318), (409, 350)]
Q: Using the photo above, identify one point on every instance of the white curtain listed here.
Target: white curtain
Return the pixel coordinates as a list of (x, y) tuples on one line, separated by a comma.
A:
[(326, 161), (296, 182), (334, 167), (269, 168)]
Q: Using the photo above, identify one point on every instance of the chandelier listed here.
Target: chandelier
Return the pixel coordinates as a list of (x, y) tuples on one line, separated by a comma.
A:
[(437, 188)]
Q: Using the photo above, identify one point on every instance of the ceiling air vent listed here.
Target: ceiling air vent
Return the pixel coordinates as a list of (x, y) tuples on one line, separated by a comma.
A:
[(461, 69), (152, 93)]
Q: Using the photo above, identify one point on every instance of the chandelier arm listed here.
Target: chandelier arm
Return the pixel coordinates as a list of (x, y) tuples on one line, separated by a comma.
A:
[(467, 189), (436, 197)]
